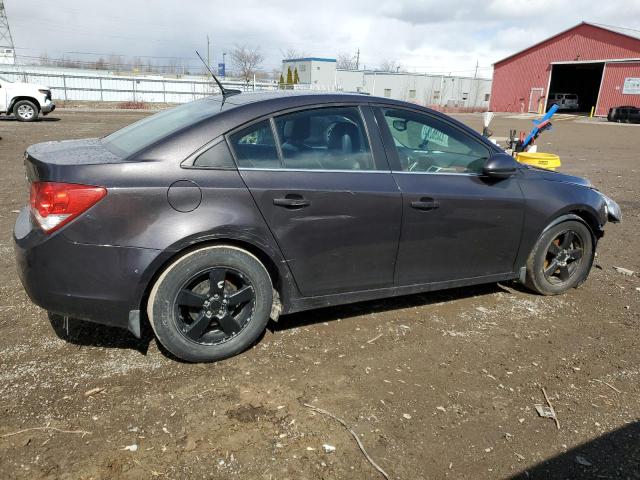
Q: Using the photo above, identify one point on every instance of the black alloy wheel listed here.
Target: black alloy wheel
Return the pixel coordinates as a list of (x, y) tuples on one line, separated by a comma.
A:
[(214, 306), (564, 254), (561, 258), (211, 303)]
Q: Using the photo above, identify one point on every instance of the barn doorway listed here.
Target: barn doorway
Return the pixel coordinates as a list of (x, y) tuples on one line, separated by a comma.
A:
[(581, 79)]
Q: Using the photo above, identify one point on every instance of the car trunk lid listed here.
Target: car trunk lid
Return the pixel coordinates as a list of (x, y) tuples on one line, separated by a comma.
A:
[(50, 160)]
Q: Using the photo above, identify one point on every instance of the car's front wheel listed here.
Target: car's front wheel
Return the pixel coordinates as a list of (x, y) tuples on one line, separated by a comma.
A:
[(211, 303), (25, 111), (561, 259)]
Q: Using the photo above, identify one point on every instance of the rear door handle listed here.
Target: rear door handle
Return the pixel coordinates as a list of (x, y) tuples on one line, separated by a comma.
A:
[(425, 203), (291, 202)]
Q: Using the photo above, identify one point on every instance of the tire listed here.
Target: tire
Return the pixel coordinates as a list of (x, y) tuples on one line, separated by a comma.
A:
[(561, 258), (237, 293), (25, 111)]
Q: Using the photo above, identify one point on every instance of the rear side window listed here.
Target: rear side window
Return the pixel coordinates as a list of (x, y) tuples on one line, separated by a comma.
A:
[(331, 138), (255, 146), (217, 156), (149, 130)]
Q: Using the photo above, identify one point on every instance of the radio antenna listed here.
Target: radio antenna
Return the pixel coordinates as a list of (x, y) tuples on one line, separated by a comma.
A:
[(226, 92)]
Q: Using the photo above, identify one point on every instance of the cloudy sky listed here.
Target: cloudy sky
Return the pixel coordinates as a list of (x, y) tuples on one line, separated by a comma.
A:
[(423, 35)]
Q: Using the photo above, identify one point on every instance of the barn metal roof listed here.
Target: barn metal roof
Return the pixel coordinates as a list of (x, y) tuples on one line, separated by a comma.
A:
[(628, 32)]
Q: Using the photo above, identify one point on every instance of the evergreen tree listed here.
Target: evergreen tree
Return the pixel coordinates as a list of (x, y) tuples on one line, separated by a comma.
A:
[(281, 82), (289, 77), (296, 77)]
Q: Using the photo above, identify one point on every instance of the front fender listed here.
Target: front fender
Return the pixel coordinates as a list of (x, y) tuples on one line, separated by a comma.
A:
[(548, 203)]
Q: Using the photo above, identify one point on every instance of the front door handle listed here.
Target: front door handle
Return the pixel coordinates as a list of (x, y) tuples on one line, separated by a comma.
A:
[(291, 201), (425, 203)]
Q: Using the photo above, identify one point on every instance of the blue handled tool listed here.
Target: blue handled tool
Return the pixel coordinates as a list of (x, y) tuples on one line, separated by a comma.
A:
[(540, 125)]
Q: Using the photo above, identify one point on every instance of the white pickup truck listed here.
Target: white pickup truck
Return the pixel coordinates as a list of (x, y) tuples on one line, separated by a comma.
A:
[(24, 100)]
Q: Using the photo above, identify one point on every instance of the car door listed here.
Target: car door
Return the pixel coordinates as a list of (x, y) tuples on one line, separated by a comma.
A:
[(325, 189), (457, 223), (3, 96)]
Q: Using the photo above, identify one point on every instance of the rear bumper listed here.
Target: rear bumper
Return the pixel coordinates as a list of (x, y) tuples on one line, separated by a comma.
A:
[(98, 283)]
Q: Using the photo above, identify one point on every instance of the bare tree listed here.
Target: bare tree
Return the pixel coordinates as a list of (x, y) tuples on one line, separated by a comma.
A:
[(344, 61), (44, 60), (115, 62), (291, 53), (390, 66), (246, 60)]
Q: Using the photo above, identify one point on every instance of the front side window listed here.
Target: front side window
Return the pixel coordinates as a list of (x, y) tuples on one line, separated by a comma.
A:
[(332, 138), (428, 145), (255, 146)]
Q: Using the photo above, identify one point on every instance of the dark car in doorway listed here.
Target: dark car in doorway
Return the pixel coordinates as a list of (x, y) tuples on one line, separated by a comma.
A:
[(208, 219)]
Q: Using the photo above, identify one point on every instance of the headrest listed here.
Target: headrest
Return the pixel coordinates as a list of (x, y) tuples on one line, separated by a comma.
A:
[(297, 129), (344, 137)]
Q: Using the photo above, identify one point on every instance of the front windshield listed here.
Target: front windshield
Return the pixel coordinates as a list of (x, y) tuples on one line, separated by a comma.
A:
[(142, 134)]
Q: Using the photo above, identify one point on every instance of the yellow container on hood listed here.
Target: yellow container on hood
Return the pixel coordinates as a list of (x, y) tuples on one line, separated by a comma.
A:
[(549, 161)]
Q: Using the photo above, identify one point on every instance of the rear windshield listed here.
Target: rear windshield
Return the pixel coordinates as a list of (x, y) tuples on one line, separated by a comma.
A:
[(146, 132)]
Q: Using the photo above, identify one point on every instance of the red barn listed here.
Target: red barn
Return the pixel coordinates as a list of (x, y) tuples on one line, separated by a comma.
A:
[(601, 64)]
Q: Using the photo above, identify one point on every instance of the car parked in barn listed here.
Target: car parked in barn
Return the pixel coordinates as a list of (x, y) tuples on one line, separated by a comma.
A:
[(565, 101), (211, 217), (25, 101)]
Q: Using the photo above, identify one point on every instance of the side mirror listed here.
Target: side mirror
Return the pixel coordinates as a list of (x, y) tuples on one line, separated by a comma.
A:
[(500, 165), (399, 125)]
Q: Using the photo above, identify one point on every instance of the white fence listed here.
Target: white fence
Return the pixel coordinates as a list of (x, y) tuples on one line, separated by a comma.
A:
[(96, 85), (108, 87)]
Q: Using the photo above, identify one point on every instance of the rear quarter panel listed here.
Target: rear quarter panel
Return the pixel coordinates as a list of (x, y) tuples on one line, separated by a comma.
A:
[(136, 212)]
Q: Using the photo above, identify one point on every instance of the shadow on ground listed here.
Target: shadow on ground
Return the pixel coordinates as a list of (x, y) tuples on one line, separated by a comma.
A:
[(328, 314), (80, 332), (614, 455), (40, 119)]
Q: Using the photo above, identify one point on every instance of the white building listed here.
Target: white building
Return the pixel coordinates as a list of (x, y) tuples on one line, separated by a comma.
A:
[(314, 71), (423, 88), (7, 56)]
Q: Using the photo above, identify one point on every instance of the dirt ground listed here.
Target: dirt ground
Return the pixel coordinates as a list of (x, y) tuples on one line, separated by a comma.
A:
[(438, 385)]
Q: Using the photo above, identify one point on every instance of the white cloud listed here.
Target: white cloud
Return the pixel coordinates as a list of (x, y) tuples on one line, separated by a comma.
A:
[(423, 35)]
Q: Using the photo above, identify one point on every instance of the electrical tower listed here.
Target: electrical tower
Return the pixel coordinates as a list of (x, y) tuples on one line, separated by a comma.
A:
[(7, 50)]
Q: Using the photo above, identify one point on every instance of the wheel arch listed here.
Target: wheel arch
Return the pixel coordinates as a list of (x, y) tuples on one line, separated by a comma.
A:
[(276, 267), (20, 98), (584, 215)]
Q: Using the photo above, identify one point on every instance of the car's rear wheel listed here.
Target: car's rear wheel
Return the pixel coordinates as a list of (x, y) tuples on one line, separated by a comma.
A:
[(211, 303), (561, 259), (25, 111)]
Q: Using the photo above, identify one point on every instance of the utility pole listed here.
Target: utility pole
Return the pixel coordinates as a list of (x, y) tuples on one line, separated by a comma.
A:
[(6, 41), (475, 74), (208, 52), (358, 60)]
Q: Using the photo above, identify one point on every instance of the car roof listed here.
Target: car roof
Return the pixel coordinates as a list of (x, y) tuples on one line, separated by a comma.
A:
[(237, 110), (307, 96)]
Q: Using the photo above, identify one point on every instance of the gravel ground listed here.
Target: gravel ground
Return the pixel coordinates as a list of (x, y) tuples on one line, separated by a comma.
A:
[(438, 385)]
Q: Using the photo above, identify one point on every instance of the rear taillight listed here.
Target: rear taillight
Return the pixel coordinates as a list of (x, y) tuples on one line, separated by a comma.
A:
[(56, 204)]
